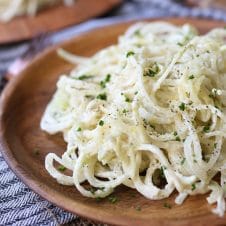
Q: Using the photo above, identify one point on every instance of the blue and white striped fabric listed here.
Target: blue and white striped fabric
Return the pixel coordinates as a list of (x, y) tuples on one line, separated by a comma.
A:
[(18, 204)]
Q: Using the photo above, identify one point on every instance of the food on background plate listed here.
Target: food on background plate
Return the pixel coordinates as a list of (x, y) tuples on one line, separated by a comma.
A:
[(147, 113), (11, 8)]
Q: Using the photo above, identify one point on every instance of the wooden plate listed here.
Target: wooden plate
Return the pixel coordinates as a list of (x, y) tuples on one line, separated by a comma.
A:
[(53, 18), (22, 105)]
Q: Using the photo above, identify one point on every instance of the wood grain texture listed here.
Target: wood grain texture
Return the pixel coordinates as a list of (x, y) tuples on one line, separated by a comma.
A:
[(53, 18), (22, 105)]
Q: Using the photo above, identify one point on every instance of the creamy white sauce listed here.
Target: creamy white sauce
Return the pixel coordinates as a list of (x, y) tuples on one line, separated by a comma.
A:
[(155, 100)]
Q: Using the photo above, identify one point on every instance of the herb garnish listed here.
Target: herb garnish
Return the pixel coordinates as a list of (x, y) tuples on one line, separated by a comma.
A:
[(193, 187), (102, 96), (206, 129), (137, 32), (180, 44), (130, 53), (83, 77), (106, 80), (102, 84), (101, 123), (151, 72), (89, 96), (182, 106), (177, 138), (215, 145), (79, 129), (112, 199), (124, 111), (127, 99), (191, 77), (188, 94), (61, 168), (92, 190)]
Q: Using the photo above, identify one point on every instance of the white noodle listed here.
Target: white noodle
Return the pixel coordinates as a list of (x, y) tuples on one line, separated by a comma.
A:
[(154, 101)]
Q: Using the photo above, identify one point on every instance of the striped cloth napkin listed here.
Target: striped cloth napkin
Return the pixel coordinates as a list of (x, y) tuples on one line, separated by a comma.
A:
[(18, 204)]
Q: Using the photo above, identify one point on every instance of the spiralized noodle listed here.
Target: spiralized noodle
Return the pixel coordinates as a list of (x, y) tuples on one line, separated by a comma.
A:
[(11, 8), (154, 102)]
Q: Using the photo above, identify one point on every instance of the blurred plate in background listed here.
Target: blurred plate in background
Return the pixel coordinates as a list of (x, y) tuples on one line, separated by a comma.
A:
[(53, 18)]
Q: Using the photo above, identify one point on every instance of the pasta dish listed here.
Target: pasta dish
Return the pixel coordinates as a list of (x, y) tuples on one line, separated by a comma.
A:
[(147, 113)]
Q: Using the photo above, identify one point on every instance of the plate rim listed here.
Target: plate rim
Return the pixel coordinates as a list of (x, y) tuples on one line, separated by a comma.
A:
[(39, 188)]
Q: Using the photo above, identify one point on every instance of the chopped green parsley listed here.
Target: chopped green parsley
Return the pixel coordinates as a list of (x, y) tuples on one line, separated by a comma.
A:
[(102, 84), (101, 123), (106, 80), (102, 96), (130, 53), (182, 106), (124, 111), (92, 190), (137, 33), (89, 96), (127, 99), (61, 168), (83, 77), (206, 129), (151, 72), (112, 199)]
